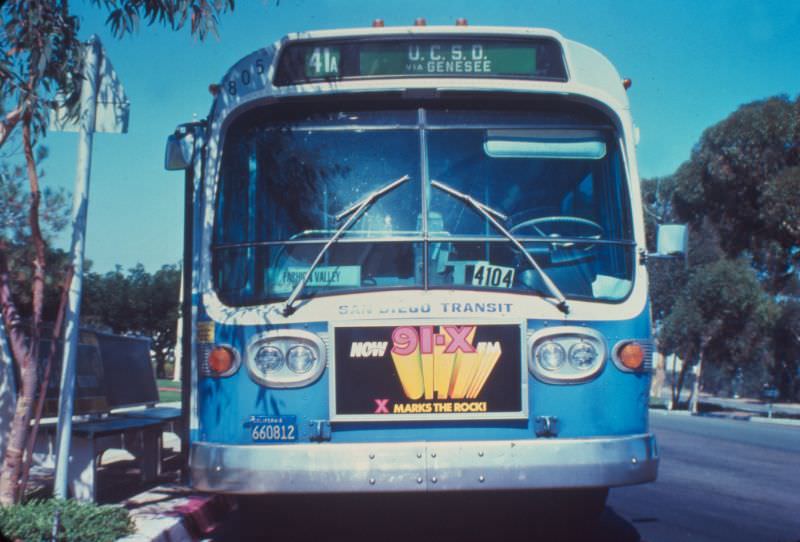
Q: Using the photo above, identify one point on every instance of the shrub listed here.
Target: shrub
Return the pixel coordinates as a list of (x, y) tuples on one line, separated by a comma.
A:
[(84, 522)]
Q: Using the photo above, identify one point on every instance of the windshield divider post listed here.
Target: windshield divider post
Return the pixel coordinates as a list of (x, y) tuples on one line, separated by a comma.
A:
[(424, 193)]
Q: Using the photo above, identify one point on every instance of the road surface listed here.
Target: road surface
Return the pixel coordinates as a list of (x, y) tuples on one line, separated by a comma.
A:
[(719, 480)]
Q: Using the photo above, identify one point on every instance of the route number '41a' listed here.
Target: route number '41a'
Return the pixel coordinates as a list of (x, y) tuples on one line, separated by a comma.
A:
[(323, 61)]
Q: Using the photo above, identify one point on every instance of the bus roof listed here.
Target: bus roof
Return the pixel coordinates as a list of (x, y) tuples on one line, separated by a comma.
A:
[(590, 74)]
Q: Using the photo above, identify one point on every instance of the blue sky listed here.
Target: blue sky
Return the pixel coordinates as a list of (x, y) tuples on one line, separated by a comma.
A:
[(692, 63)]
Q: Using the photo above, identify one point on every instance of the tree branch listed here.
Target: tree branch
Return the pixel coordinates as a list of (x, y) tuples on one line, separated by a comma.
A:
[(9, 123)]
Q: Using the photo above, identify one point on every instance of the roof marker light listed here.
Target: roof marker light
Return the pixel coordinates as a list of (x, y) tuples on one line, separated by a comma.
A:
[(461, 21), (377, 23), (420, 21), (214, 89), (627, 83)]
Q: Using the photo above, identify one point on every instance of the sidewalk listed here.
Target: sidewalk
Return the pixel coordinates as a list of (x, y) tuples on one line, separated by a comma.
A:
[(172, 513), (747, 409)]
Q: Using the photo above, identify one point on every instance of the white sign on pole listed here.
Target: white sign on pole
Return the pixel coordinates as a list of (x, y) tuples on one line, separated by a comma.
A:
[(111, 112)]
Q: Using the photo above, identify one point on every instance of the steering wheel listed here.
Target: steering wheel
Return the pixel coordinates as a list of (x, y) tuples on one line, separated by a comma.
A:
[(563, 252), (595, 230)]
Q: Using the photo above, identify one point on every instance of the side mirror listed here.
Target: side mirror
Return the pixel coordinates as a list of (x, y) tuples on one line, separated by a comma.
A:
[(180, 147), (672, 240)]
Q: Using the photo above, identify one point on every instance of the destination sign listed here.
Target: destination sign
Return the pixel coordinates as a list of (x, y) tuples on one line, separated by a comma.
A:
[(531, 58), (447, 58)]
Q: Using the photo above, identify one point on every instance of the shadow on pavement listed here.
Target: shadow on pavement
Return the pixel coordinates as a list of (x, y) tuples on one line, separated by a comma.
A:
[(420, 517)]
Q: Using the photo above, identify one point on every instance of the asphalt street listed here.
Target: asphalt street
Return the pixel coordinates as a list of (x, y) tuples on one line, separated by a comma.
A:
[(719, 480)]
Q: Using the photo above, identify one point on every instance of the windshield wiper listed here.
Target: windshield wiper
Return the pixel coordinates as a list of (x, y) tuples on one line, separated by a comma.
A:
[(355, 211), (490, 215)]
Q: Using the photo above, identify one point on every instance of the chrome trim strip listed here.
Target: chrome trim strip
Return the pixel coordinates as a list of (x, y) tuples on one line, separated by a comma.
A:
[(424, 466), (417, 238)]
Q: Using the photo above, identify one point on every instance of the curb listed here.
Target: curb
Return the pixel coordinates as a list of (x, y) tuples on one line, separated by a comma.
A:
[(777, 421), (170, 513), (730, 416)]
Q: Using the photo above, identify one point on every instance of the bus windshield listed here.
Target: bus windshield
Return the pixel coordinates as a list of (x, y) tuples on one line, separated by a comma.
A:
[(555, 181)]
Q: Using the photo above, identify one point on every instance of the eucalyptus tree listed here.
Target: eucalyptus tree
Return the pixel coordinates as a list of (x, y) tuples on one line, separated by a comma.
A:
[(40, 58)]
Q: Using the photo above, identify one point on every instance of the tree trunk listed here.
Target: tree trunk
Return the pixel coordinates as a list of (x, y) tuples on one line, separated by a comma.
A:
[(659, 375), (43, 385), (696, 386), (12, 460), (26, 356), (676, 395)]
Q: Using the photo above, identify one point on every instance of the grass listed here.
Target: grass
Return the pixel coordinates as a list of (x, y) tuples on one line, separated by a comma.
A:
[(168, 390)]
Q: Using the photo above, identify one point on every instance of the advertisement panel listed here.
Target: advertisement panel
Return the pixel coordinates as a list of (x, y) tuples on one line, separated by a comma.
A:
[(413, 372)]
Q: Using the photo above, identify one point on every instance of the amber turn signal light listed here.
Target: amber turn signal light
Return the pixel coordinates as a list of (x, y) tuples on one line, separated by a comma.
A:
[(221, 360), (631, 356)]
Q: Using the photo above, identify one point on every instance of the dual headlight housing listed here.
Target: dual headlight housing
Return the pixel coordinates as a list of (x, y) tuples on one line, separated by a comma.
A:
[(566, 354), (287, 358)]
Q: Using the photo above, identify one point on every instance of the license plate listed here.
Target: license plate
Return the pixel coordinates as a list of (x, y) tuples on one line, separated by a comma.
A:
[(272, 428)]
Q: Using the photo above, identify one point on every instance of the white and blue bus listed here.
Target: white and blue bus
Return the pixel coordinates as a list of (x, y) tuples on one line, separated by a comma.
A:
[(417, 263)]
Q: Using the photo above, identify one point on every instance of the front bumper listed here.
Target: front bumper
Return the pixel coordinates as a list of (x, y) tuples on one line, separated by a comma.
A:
[(424, 466)]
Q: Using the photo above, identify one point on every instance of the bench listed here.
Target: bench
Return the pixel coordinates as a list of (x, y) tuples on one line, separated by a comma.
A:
[(115, 397), (141, 436)]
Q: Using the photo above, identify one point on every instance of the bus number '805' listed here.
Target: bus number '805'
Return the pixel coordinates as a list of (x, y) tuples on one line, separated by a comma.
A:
[(273, 432)]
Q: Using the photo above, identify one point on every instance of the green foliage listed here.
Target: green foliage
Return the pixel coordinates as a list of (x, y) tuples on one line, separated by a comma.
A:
[(125, 16), (82, 522), (136, 302), (15, 232), (743, 177), (723, 314), (42, 56), (14, 193), (736, 304)]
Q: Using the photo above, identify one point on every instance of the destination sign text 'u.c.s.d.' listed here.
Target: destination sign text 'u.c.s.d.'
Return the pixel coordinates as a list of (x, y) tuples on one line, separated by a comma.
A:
[(534, 58)]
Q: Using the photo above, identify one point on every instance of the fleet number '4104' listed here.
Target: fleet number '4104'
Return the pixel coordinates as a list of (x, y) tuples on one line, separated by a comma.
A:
[(493, 275)]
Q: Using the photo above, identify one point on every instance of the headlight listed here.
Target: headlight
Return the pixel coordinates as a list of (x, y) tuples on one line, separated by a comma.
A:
[(566, 354), (300, 359), (287, 358), (550, 355), (268, 358), (582, 355)]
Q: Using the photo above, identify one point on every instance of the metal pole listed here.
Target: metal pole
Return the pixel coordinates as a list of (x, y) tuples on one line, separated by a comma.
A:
[(80, 202), (178, 352)]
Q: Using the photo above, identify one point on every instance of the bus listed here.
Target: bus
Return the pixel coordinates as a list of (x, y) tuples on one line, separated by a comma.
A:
[(415, 262)]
